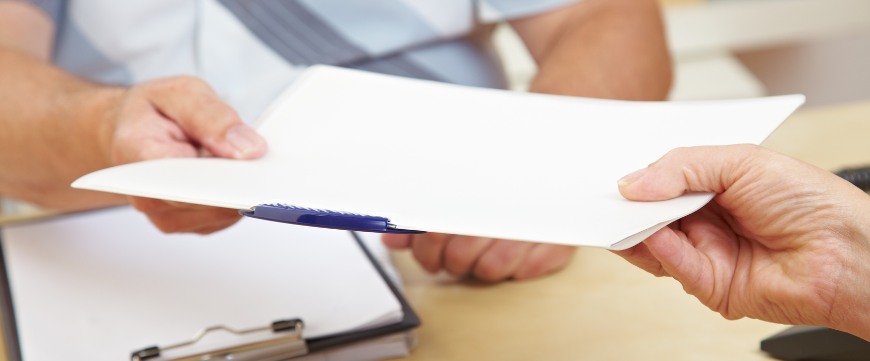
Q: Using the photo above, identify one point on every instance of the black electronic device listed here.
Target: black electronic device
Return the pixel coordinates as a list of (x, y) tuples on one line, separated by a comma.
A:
[(860, 177), (817, 344)]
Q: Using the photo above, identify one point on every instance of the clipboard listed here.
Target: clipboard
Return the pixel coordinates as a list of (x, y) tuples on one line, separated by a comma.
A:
[(292, 342)]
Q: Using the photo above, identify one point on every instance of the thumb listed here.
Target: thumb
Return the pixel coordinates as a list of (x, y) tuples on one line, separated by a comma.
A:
[(198, 110), (696, 169)]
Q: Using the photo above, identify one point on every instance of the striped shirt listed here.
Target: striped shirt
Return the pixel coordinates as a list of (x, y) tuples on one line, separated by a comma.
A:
[(250, 50)]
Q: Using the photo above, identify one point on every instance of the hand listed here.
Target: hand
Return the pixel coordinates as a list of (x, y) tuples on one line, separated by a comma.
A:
[(782, 241), (179, 117), (485, 258)]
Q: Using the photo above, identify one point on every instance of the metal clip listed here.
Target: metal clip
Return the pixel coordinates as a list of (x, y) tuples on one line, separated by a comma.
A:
[(286, 346)]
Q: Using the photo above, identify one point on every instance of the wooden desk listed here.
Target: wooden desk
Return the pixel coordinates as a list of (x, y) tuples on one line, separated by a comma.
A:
[(11, 218), (831, 138), (601, 307)]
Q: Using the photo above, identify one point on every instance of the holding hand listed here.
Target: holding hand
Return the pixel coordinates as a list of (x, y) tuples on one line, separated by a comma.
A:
[(488, 259), (179, 117), (782, 241)]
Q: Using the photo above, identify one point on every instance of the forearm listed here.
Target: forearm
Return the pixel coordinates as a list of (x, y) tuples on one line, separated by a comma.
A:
[(55, 129), (612, 49)]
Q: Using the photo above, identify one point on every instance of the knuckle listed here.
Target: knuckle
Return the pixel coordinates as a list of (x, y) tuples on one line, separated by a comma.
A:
[(396, 241), (674, 153), (426, 260), (189, 81), (144, 205), (751, 147), (192, 85), (488, 271), (179, 83), (431, 241), (455, 252)]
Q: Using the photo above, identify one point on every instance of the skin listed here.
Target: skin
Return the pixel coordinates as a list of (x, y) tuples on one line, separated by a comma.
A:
[(612, 49), (782, 241), (64, 127)]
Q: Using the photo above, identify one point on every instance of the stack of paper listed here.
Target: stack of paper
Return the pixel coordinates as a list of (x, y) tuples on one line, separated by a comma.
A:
[(447, 158), (100, 285)]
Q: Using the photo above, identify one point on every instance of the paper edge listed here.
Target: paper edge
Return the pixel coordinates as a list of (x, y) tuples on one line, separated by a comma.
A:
[(633, 240), (638, 237)]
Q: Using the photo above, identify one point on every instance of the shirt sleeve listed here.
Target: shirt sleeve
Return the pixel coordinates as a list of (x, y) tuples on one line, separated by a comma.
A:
[(54, 8), (493, 11)]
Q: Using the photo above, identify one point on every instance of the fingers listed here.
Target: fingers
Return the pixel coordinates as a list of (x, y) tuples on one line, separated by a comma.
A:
[(396, 241), (487, 259), (544, 259), (434, 251), (428, 248), (144, 134), (641, 257), (181, 117), (193, 104), (462, 253), (697, 169), (202, 222), (668, 252), (501, 260), (177, 217), (680, 260)]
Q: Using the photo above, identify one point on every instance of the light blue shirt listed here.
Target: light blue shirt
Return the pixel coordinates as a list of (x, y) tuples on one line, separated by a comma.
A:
[(250, 50)]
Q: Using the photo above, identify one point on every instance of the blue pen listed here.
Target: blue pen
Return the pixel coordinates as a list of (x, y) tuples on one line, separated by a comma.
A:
[(322, 218)]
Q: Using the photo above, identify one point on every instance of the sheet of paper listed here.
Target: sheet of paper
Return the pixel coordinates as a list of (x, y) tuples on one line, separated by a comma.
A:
[(446, 158), (100, 285)]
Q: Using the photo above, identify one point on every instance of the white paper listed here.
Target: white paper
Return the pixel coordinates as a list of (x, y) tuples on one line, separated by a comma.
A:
[(98, 286), (446, 158)]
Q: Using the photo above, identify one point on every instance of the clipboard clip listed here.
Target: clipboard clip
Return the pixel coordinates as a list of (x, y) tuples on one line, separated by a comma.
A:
[(289, 344), (313, 217)]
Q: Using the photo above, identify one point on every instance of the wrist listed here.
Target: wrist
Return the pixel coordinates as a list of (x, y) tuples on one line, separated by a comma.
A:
[(852, 312), (98, 122)]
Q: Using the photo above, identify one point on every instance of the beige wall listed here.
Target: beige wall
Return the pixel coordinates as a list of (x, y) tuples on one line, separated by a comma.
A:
[(827, 71)]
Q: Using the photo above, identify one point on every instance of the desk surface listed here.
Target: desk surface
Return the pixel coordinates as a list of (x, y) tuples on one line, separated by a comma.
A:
[(601, 307)]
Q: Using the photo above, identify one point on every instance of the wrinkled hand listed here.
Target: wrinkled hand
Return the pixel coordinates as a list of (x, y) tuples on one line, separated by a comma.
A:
[(179, 117), (485, 258), (782, 241)]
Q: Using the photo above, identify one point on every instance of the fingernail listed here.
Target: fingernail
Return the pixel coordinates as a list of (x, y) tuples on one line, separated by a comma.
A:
[(244, 139), (631, 178)]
